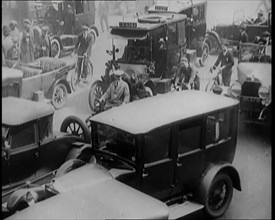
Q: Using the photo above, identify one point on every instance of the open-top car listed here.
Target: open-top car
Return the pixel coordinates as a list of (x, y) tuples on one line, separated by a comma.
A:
[(254, 76), (31, 151), (44, 78), (195, 25), (230, 33), (183, 159)]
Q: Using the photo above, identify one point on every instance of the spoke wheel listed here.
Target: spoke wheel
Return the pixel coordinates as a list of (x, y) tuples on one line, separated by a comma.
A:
[(95, 93), (205, 54), (75, 126), (56, 48), (219, 195), (60, 96)]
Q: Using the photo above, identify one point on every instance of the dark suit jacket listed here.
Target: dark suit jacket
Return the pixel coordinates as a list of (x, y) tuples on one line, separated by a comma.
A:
[(83, 45), (225, 60)]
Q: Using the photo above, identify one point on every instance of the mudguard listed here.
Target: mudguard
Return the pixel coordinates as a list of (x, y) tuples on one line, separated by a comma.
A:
[(49, 93), (212, 34), (94, 28), (213, 170), (59, 40)]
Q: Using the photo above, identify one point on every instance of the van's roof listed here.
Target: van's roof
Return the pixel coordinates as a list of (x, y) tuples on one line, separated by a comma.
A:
[(147, 114), (17, 111)]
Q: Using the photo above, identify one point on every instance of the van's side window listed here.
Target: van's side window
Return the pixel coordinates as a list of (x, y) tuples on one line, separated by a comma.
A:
[(217, 127), (189, 137), (157, 145)]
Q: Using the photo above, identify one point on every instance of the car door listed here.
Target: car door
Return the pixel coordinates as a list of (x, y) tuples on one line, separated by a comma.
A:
[(23, 158), (48, 79), (158, 167), (189, 165), (30, 85)]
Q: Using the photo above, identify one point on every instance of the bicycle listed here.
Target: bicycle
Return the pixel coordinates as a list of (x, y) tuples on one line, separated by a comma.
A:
[(79, 77), (214, 81)]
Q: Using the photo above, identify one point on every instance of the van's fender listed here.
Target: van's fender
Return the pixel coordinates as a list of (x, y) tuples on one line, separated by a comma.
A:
[(49, 93), (210, 36), (214, 169)]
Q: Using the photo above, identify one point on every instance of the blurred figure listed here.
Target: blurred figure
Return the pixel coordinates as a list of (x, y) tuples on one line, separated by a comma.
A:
[(68, 20), (15, 33), (51, 16), (265, 39), (226, 62), (27, 27), (7, 43), (260, 20), (45, 43), (26, 48), (243, 35), (83, 47), (187, 75), (103, 11)]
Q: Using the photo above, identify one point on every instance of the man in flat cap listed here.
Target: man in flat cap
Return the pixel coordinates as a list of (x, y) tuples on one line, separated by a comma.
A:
[(83, 49)]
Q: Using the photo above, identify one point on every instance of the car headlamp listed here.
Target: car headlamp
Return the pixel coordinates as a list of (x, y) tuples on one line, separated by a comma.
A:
[(263, 92), (235, 89)]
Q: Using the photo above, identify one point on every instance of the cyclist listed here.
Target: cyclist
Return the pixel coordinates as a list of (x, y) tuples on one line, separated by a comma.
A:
[(187, 75), (83, 49), (226, 61)]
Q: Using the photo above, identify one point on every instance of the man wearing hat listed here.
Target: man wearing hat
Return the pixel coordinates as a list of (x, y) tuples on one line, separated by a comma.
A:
[(26, 48), (260, 20), (15, 33), (264, 39), (83, 47), (187, 75), (118, 91), (243, 35), (68, 20), (226, 62), (7, 43)]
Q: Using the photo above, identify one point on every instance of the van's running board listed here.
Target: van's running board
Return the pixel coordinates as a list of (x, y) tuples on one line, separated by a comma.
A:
[(186, 208)]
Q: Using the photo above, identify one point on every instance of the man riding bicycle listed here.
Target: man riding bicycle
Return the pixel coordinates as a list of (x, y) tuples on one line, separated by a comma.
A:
[(226, 62), (83, 49), (187, 75)]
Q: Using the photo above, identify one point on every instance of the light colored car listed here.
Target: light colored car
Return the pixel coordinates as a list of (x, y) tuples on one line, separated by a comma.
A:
[(177, 148)]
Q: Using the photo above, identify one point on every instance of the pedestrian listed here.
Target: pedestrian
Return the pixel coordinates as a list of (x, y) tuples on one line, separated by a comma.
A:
[(226, 62), (26, 48), (68, 20), (45, 43), (15, 33), (83, 47), (7, 43), (187, 75), (118, 92), (243, 35), (260, 20), (264, 39), (103, 11)]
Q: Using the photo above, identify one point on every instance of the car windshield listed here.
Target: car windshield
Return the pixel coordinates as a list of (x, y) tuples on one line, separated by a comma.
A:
[(254, 53), (137, 51), (115, 142)]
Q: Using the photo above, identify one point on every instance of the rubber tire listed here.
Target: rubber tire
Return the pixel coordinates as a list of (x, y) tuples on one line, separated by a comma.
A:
[(55, 41), (204, 47), (92, 96), (208, 211), (73, 75), (214, 45), (69, 166), (64, 99), (94, 35), (73, 119)]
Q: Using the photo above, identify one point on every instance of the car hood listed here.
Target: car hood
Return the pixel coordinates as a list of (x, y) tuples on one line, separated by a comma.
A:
[(90, 192), (261, 71)]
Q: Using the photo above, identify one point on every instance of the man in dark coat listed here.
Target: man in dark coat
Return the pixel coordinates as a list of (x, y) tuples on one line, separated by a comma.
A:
[(45, 43), (243, 35), (83, 47), (226, 62), (68, 20)]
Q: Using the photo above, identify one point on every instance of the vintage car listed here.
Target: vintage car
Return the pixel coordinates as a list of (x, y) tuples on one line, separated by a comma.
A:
[(195, 25), (230, 33), (152, 51), (46, 77), (30, 148), (254, 76), (51, 12), (183, 159)]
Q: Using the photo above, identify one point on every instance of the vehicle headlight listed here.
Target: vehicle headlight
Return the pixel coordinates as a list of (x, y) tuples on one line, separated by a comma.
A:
[(235, 89), (263, 92)]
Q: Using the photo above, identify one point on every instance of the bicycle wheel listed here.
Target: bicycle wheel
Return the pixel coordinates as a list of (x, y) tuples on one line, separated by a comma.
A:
[(74, 79)]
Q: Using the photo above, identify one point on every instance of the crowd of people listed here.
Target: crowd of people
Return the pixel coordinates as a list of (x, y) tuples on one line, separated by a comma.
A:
[(20, 44)]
